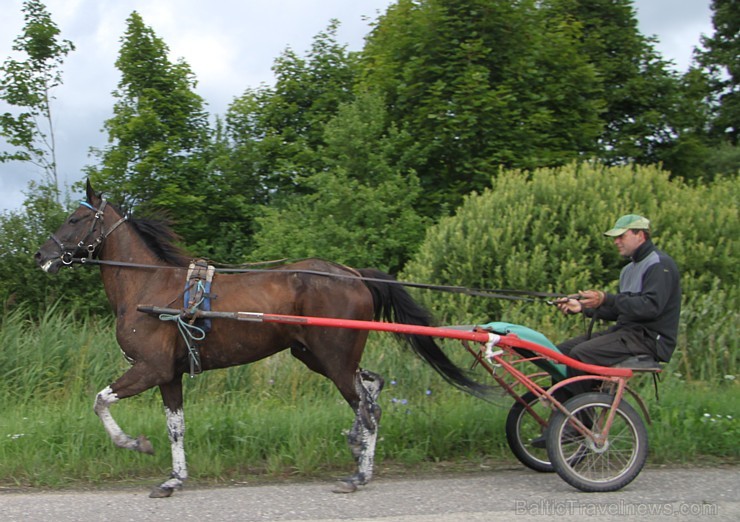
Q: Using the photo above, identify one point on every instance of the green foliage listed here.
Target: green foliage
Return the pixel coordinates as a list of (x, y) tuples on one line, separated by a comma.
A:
[(543, 232), (481, 84), (21, 280), (641, 96), (158, 133), (345, 221), (720, 59), (360, 210), (276, 131), (695, 419), (275, 418), (28, 85)]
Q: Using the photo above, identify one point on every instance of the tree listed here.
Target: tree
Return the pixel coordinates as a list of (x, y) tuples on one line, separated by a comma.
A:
[(359, 209), (270, 141), (640, 92), (277, 130), (28, 85), (720, 58), (477, 84), (158, 135)]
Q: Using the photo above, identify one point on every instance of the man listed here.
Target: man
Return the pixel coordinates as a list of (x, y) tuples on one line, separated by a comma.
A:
[(646, 308)]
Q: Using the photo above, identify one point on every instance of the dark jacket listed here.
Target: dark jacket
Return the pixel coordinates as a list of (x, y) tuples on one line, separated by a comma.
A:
[(649, 298)]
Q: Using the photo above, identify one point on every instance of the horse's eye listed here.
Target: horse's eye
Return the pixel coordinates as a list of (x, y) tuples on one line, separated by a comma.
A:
[(73, 220)]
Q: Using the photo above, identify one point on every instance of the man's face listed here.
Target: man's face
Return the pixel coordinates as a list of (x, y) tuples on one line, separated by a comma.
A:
[(628, 242)]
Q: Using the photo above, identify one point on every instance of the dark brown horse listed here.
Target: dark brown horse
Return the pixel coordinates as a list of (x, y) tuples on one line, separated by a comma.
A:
[(139, 264)]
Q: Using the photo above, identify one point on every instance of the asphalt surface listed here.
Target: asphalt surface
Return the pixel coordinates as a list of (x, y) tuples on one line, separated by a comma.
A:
[(512, 494)]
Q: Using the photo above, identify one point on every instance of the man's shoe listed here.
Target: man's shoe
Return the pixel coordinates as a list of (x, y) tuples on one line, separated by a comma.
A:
[(569, 433), (540, 442)]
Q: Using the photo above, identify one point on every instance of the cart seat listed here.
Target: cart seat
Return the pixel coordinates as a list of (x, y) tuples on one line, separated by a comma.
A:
[(557, 370), (640, 363)]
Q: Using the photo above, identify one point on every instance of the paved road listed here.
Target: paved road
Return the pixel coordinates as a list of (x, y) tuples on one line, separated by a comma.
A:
[(657, 494)]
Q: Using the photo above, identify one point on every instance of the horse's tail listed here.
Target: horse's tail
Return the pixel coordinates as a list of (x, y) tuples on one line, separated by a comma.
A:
[(392, 303)]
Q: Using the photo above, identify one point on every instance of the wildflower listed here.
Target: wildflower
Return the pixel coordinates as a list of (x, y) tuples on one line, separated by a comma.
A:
[(428, 392), (730, 377), (707, 414), (393, 382)]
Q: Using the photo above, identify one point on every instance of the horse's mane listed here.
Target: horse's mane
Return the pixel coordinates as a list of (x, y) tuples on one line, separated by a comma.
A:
[(160, 238)]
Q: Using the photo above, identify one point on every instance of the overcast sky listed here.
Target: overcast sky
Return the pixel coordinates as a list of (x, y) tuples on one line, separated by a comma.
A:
[(231, 46)]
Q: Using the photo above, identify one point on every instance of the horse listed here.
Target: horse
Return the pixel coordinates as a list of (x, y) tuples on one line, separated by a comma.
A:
[(141, 263)]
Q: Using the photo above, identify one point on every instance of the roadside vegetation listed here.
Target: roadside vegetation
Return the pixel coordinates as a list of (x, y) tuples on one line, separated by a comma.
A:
[(275, 419)]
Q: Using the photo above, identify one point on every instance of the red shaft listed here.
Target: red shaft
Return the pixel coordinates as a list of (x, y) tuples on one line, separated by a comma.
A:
[(481, 337)]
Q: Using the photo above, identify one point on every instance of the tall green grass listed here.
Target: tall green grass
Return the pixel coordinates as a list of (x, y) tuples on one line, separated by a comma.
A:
[(275, 418)]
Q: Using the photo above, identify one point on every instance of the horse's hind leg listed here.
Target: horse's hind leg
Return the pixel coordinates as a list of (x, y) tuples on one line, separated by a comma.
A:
[(363, 435)]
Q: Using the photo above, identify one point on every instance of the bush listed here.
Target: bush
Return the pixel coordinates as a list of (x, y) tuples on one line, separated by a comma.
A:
[(543, 231)]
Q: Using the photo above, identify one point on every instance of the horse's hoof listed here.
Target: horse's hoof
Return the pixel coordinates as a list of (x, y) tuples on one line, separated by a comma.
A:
[(143, 445), (160, 492), (344, 486)]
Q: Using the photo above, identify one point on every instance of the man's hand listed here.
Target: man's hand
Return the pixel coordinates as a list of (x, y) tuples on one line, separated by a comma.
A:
[(569, 305), (591, 298), (574, 304)]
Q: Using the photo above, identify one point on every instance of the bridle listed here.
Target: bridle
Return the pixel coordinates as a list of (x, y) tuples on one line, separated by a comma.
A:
[(90, 245)]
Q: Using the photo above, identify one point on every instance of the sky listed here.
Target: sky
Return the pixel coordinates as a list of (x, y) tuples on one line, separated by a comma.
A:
[(231, 46)]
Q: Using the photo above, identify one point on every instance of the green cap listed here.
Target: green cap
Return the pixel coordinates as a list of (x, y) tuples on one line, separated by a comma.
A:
[(628, 222)]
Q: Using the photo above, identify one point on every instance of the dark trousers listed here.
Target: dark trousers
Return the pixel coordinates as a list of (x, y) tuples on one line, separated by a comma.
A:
[(605, 348)]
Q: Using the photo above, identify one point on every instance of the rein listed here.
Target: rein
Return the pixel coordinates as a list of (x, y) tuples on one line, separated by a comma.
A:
[(500, 293)]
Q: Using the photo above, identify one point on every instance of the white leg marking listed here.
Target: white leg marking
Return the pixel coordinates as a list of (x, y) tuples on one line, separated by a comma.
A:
[(176, 433), (103, 401), (367, 459)]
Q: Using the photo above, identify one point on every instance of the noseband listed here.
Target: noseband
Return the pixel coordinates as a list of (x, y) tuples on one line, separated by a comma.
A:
[(67, 255)]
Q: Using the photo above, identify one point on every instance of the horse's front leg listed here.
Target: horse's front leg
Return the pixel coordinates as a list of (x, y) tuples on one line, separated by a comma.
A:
[(131, 383), (173, 401)]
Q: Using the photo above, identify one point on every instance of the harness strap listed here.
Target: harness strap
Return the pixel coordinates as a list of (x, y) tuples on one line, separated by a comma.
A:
[(190, 334), (509, 294)]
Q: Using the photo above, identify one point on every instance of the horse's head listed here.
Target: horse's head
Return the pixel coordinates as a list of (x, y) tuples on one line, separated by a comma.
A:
[(79, 237)]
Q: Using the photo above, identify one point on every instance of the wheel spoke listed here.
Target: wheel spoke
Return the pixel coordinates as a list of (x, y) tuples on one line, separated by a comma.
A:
[(598, 468)]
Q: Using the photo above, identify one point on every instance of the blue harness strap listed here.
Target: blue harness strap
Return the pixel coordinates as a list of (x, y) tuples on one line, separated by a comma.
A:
[(197, 294)]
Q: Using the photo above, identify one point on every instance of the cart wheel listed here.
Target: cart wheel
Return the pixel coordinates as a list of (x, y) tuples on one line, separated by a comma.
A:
[(608, 467), (522, 428)]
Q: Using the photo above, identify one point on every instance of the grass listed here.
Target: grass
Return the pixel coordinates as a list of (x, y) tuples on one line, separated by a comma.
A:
[(275, 419)]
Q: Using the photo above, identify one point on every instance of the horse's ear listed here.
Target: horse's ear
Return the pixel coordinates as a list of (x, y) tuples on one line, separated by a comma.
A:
[(90, 192)]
